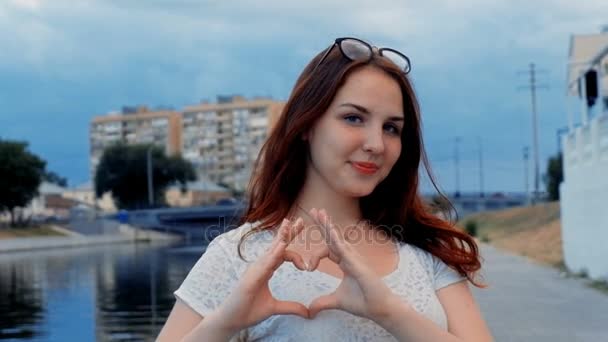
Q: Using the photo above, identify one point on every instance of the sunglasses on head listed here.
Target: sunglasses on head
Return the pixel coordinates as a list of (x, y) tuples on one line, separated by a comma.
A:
[(357, 50)]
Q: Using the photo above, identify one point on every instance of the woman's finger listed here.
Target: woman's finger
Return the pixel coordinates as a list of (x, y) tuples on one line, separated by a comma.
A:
[(326, 302), (290, 308), (278, 253), (268, 262), (321, 218), (333, 237), (295, 259), (288, 231), (282, 235), (316, 216), (316, 257)]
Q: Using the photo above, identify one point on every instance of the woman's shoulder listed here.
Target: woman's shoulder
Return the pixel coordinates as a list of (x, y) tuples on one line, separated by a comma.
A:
[(441, 273), (424, 257), (414, 249), (236, 233), (240, 236)]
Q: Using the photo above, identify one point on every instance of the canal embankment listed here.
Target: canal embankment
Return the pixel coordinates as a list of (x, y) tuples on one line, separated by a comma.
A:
[(72, 239)]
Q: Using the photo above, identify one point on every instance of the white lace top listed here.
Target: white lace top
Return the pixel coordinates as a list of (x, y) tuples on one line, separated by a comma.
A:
[(418, 275)]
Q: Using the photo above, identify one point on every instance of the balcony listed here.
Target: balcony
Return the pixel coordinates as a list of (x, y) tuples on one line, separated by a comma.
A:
[(587, 145)]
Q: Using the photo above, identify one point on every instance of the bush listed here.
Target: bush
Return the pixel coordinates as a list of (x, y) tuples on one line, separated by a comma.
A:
[(471, 228)]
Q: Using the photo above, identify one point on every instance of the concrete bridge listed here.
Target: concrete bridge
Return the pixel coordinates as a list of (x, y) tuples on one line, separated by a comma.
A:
[(197, 223)]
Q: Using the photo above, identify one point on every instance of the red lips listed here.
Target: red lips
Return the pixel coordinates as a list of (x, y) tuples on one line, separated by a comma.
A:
[(365, 167)]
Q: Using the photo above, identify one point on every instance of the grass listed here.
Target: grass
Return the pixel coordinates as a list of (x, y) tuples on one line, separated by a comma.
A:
[(533, 232), (42, 231), (600, 285)]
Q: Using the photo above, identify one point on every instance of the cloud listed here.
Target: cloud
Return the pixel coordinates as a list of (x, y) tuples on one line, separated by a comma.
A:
[(89, 56), (100, 33), (32, 5)]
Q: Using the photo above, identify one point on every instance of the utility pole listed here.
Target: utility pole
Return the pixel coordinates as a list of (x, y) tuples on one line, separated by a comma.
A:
[(526, 171), (533, 86), (534, 132), (481, 192), (457, 167)]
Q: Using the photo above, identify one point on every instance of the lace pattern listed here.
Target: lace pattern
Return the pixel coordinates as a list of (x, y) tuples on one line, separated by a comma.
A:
[(416, 278)]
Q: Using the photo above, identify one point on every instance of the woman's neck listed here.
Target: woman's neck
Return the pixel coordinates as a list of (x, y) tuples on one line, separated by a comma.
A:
[(343, 210)]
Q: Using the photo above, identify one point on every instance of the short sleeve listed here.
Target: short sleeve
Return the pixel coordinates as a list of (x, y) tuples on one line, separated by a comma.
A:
[(211, 279), (443, 275)]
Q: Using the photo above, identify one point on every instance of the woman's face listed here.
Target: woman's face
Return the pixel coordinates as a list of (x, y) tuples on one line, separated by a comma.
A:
[(357, 141)]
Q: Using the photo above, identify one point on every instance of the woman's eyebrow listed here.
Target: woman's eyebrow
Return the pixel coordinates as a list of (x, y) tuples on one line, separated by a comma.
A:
[(366, 111)]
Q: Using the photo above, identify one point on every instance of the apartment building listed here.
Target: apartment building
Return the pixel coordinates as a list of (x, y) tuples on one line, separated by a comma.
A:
[(223, 139), (134, 125)]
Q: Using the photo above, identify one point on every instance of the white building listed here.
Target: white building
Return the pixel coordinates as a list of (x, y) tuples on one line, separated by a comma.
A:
[(584, 192), (85, 193)]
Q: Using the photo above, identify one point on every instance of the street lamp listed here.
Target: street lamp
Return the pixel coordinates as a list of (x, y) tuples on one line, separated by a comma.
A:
[(149, 172)]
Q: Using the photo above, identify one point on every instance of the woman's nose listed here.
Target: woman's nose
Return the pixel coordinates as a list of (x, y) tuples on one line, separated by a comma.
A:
[(374, 142)]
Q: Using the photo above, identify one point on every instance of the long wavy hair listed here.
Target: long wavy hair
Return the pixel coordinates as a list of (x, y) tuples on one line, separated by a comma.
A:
[(395, 206)]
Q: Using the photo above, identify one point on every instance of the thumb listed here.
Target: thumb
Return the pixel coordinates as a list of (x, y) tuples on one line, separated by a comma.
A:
[(326, 302), (290, 308), (315, 258)]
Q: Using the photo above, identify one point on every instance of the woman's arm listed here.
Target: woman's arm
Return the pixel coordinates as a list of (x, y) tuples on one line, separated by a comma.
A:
[(465, 322), (248, 303), (180, 322), (185, 324), (364, 294)]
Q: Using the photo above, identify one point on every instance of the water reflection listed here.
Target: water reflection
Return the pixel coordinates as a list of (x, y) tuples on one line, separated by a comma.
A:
[(20, 293), (109, 293)]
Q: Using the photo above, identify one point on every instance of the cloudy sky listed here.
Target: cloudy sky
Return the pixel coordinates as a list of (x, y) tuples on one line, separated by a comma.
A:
[(64, 61)]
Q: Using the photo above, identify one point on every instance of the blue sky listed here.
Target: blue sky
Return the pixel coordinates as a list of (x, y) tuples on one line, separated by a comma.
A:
[(64, 61)]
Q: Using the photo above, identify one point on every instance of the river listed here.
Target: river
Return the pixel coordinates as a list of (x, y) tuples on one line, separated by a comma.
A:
[(103, 293)]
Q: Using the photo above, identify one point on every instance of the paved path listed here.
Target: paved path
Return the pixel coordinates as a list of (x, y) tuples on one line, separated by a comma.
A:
[(528, 302)]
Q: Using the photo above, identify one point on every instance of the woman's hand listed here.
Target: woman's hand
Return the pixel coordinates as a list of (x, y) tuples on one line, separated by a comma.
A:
[(251, 301), (361, 292)]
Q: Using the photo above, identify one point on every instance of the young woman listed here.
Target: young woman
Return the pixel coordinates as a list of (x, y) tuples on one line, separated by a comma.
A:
[(336, 243)]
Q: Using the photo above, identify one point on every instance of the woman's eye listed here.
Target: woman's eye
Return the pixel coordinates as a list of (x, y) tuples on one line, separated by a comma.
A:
[(392, 129), (353, 118)]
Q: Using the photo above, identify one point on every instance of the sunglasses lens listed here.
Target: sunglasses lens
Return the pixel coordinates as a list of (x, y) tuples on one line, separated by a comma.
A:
[(398, 59), (355, 50)]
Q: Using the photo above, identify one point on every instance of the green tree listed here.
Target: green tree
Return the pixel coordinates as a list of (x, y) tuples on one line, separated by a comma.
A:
[(471, 228), (21, 173), (122, 170), (554, 176), (54, 178)]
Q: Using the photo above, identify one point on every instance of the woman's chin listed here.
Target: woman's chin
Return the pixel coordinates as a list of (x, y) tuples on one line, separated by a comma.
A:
[(359, 192)]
